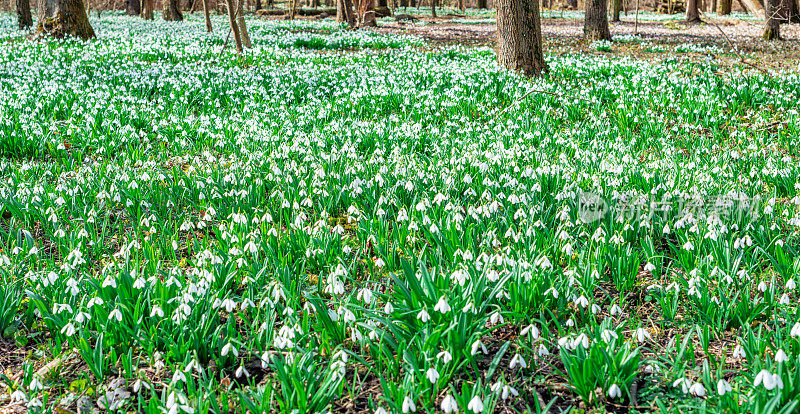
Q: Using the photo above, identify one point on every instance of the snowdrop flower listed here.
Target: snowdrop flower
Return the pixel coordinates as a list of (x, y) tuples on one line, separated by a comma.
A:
[(615, 310), (408, 405), (19, 396), (614, 392), (478, 345), (795, 330), (543, 351), (388, 308), (607, 335), (642, 334), (423, 316), (228, 348), (769, 380), (365, 295), (475, 405), (723, 387), (444, 356), (68, 329), (683, 383), (115, 314), (738, 352), (449, 404), (781, 356), (534, 331), (791, 285), (698, 390), (380, 410), (649, 267), (433, 375), (442, 306), (517, 360)]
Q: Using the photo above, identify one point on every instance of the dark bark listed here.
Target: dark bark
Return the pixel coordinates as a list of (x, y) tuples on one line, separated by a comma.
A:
[(133, 7), (724, 7), (595, 23), (616, 8), (573, 4), (242, 25), (345, 13), (172, 11), (24, 17), (258, 5), (433, 8), (519, 37), (59, 18), (773, 24), (366, 13), (237, 39), (147, 10), (692, 12), (207, 15)]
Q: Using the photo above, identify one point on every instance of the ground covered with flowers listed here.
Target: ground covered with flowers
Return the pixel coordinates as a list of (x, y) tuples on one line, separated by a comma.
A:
[(365, 222)]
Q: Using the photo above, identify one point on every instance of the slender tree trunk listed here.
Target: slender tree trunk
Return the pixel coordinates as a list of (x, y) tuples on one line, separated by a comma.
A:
[(243, 25), (773, 24), (519, 36), (692, 12), (616, 9), (433, 8), (207, 15), (171, 11), (461, 5), (366, 13), (59, 18), (482, 4), (595, 23), (234, 27), (258, 5), (24, 17), (724, 7)]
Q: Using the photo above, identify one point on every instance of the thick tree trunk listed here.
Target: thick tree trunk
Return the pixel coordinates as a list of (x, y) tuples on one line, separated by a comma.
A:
[(724, 7), (692, 12), (133, 7), (207, 15), (773, 24), (243, 25), (59, 18), (171, 11), (573, 4), (292, 9), (147, 10), (237, 39), (24, 17), (482, 4), (595, 23), (616, 8), (519, 36), (366, 13), (345, 13)]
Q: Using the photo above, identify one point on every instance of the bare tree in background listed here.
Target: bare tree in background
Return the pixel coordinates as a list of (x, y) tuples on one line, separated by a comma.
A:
[(237, 39), (366, 12), (345, 13), (133, 7), (616, 8), (692, 12), (59, 18), (24, 17), (243, 25), (207, 15), (519, 37), (773, 20), (147, 10), (724, 7), (171, 11), (595, 23)]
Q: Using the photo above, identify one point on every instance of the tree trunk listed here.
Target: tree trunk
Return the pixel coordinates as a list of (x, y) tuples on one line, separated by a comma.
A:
[(366, 13), (433, 8), (573, 4), (724, 7), (133, 7), (461, 5), (258, 5), (692, 12), (237, 39), (24, 17), (171, 11), (345, 13), (482, 4), (616, 8), (147, 9), (207, 15), (595, 23), (59, 18), (243, 25), (773, 24), (519, 36)]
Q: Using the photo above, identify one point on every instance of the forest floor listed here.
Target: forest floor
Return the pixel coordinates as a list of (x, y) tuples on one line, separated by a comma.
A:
[(565, 35)]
